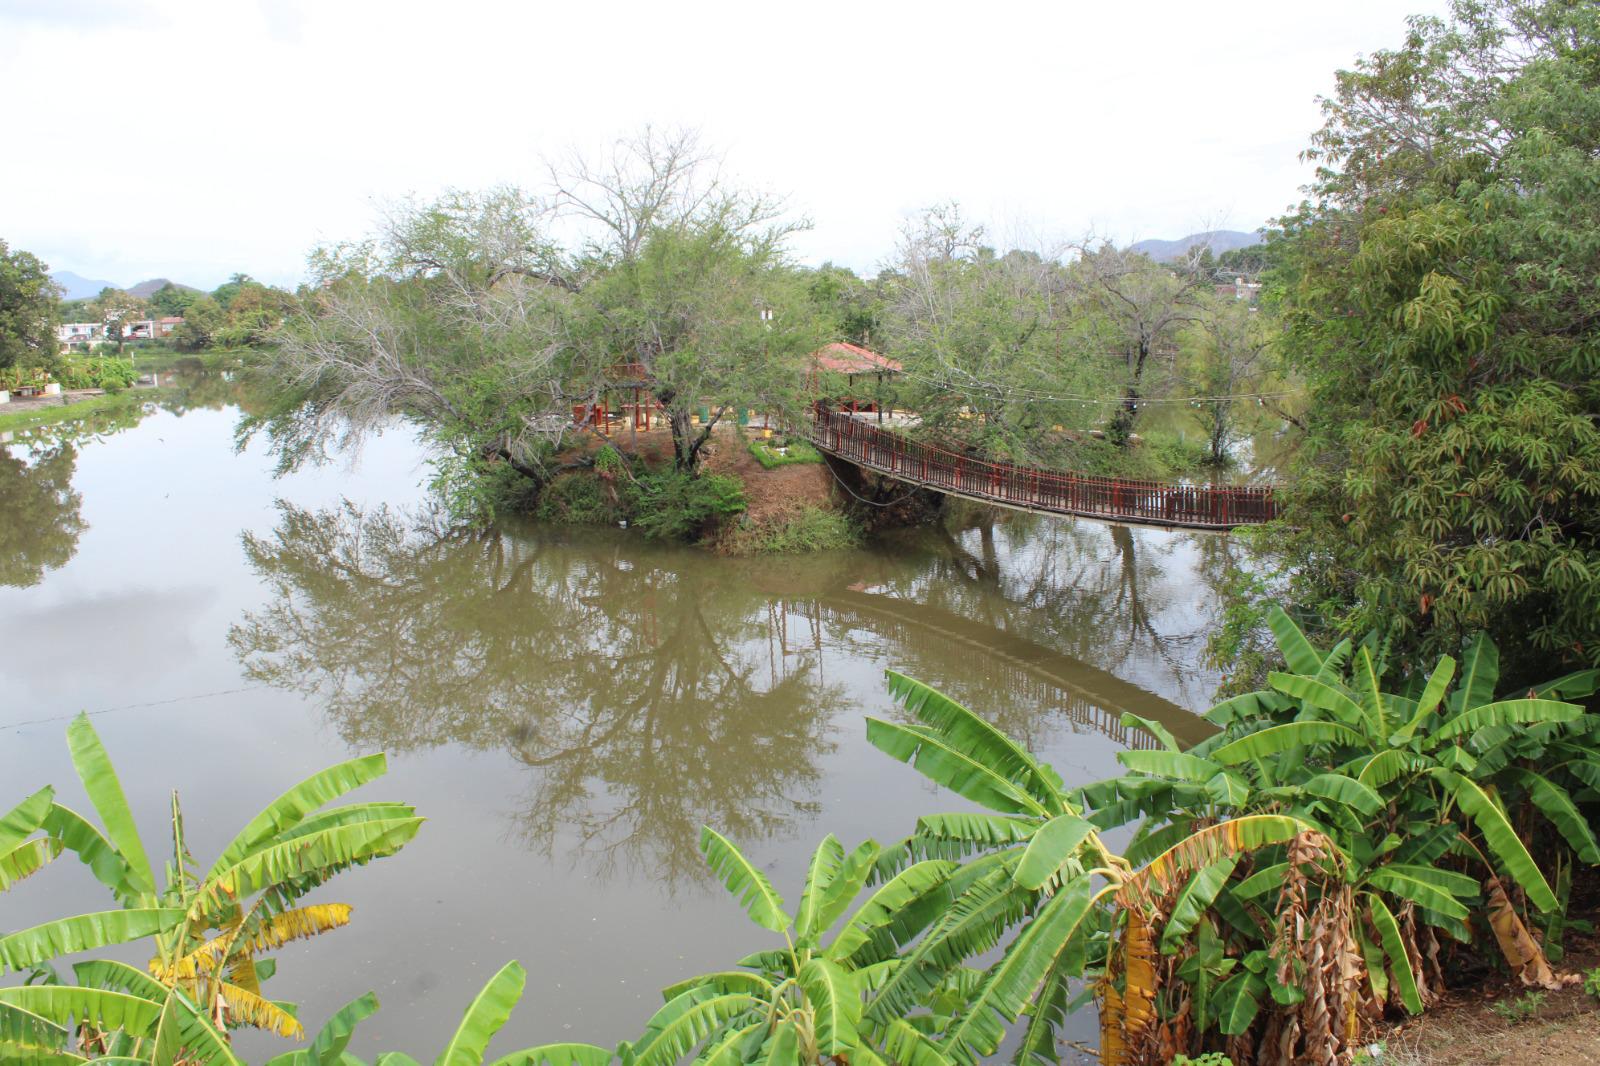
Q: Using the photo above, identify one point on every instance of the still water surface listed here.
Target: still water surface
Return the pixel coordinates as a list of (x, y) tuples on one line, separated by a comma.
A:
[(567, 707)]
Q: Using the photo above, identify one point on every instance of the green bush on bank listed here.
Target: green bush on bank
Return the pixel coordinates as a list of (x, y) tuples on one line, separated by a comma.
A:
[(808, 529), (97, 372), (767, 453)]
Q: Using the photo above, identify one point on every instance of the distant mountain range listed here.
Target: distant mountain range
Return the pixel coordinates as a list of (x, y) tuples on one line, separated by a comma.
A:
[(1219, 241), (82, 288)]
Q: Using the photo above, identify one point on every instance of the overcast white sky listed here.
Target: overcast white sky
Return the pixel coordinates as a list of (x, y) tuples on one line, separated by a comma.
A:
[(194, 138)]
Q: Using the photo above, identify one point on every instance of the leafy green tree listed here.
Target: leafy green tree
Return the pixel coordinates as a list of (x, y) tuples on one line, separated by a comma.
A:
[(28, 312), (1440, 304), (1229, 350), (852, 309), (203, 320), (116, 310), (172, 300)]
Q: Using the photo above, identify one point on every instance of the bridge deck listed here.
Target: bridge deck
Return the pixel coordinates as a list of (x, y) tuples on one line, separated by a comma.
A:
[(1030, 488)]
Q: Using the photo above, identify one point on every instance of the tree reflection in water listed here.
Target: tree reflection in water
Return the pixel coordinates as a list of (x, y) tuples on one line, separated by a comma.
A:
[(653, 689), (636, 683), (40, 519)]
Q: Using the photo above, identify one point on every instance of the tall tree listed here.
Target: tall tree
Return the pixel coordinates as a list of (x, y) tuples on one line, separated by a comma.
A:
[(28, 311), (1140, 306), (1441, 303)]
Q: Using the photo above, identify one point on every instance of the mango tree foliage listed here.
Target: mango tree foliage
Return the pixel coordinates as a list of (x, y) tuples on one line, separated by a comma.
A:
[(1440, 300)]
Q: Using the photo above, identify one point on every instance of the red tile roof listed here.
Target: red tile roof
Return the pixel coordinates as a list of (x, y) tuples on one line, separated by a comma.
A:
[(844, 358)]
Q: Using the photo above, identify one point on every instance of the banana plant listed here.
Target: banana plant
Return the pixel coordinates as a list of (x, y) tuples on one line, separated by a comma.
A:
[(1417, 789), (1039, 871), (209, 929), (804, 1003)]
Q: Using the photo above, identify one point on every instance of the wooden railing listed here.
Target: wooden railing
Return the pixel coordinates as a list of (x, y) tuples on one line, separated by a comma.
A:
[(1034, 489)]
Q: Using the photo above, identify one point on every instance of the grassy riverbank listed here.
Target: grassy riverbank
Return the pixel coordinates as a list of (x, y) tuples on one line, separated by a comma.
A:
[(36, 414)]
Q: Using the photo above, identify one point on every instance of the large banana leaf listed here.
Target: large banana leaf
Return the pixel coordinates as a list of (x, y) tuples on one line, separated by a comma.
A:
[(1322, 696), (1553, 801), (908, 1047), (951, 767), (674, 1030), (280, 863), (1055, 842), (1237, 1000), (852, 877), (1480, 672), (1422, 893), (900, 908), (1501, 838), (1386, 766), (1194, 900), (972, 925), (23, 1028), (100, 781), (967, 732), (186, 1037), (1154, 728), (327, 1048), (1506, 713), (74, 1005), (1047, 1016), (1298, 652), (26, 859), (825, 863), (981, 830), (23, 819), (747, 883), (1212, 844), (722, 981), (80, 836), (1405, 979), (119, 977), (1011, 982), (1432, 694), (289, 809), (1366, 684), (1271, 741), (83, 932), (1346, 790), (1169, 764), (484, 1017), (835, 1003), (558, 1055)]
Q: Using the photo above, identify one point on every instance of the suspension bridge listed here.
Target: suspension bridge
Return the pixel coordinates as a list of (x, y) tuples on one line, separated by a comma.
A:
[(851, 438)]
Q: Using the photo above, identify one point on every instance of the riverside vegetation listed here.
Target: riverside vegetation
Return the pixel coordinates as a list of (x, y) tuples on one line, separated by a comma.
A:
[(1327, 858)]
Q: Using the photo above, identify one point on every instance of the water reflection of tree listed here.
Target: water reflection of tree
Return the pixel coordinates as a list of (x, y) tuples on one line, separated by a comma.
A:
[(637, 686), (1127, 601), (40, 519)]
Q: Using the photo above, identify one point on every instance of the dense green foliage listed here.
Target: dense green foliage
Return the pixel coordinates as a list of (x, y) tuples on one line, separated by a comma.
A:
[(1439, 297), (27, 310)]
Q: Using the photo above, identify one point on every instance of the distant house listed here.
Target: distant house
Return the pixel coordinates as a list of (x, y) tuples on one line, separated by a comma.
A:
[(165, 326), (143, 329), (1241, 289), (80, 334)]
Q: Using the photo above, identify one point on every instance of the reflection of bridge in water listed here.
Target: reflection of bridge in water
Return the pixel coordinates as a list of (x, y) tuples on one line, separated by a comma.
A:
[(1083, 694)]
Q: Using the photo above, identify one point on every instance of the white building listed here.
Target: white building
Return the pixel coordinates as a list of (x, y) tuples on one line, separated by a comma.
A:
[(84, 333)]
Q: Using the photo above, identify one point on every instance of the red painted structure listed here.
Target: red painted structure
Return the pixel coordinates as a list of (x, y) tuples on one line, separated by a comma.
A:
[(1033, 489)]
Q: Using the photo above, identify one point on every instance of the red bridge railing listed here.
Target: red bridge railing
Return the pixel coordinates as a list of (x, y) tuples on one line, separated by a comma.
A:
[(1035, 489)]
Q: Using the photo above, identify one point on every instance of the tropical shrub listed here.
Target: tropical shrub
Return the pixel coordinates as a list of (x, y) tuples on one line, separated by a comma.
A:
[(98, 372)]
